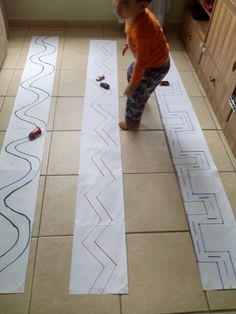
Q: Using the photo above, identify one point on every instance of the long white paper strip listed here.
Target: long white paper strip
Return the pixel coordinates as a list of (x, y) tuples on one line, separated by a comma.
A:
[(210, 216), (20, 162), (99, 264)]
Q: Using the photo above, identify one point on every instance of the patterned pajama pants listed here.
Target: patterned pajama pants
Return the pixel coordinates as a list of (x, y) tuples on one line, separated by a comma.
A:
[(136, 102)]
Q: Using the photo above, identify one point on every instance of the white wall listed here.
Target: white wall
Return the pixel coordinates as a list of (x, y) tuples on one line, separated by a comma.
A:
[(83, 10), (60, 9)]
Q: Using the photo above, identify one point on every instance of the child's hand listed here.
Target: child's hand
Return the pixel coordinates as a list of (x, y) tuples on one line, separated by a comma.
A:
[(129, 90), (125, 48)]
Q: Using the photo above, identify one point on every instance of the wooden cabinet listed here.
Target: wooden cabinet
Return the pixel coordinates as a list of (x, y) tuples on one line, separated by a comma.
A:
[(216, 63), (230, 132), (3, 37), (193, 31), (217, 69)]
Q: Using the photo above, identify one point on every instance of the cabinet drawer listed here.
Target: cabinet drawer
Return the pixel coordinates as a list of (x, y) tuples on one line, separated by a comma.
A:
[(230, 132), (214, 86)]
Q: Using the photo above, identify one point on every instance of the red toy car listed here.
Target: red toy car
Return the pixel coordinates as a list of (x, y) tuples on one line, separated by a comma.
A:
[(35, 133)]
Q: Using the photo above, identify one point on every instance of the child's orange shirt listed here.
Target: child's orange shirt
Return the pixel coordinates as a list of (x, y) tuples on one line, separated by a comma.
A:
[(147, 42)]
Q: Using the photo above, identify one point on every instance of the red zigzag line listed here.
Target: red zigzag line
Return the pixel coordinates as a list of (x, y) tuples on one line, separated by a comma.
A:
[(107, 55)]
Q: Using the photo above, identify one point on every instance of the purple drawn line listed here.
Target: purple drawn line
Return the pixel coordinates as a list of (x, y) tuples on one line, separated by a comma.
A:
[(100, 106), (107, 255), (110, 137), (91, 158), (101, 137), (93, 285), (104, 208), (107, 56), (92, 207), (108, 280), (107, 168), (94, 241), (98, 112)]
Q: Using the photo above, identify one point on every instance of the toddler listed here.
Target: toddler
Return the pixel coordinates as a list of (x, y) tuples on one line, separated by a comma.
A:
[(147, 42)]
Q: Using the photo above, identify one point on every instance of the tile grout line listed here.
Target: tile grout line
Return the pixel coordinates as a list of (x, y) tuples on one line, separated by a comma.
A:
[(207, 301), (120, 302), (156, 232), (127, 233), (226, 149), (36, 249)]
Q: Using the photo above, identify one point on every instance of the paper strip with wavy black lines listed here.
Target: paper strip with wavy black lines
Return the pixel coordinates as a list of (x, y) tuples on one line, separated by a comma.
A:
[(210, 217), (20, 162), (99, 264)]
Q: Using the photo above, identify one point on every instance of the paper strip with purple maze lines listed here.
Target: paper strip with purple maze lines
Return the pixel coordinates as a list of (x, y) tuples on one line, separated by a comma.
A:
[(99, 262), (210, 217), (21, 160)]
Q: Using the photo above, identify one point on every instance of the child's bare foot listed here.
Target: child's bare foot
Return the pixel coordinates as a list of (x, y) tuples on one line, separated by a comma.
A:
[(128, 126)]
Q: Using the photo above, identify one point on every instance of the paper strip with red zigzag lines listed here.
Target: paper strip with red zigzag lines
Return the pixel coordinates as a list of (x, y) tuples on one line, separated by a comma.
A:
[(99, 262)]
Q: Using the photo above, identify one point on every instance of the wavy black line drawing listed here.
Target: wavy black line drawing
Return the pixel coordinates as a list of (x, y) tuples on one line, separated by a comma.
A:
[(105, 178), (26, 166), (210, 217)]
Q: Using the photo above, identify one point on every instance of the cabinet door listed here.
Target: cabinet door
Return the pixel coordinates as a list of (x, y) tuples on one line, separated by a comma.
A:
[(218, 30), (227, 58), (215, 87), (3, 40)]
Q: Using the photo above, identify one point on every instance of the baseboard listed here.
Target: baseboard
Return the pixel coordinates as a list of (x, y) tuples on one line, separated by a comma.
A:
[(64, 24)]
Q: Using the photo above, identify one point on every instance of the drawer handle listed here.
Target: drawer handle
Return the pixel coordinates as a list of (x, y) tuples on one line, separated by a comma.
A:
[(212, 79), (234, 66), (232, 103)]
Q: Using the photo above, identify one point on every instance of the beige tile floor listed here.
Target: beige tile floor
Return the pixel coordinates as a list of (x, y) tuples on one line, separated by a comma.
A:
[(163, 275)]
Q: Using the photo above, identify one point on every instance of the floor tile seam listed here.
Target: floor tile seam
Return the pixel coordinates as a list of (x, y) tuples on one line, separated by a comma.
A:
[(207, 301), (59, 66), (199, 85), (157, 232), (50, 236), (211, 112), (226, 150), (54, 117), (120, 303), (39, 227), (55, 236), (49, 152), (58, 175), (37, 245), (208, 110), (9, 84), (169, 151), (1, 107), (149, 172)]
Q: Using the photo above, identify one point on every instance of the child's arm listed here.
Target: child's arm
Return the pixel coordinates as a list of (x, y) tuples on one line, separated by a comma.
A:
[(125, 48), (142, 60), (142, 57)]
